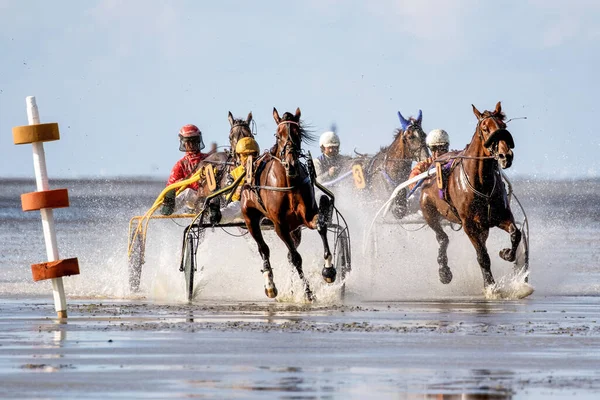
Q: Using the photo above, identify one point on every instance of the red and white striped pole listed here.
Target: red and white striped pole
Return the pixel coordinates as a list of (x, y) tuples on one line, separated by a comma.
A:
[(45, 200)]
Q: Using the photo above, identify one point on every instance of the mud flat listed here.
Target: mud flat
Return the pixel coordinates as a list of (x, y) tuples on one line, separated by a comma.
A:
[(541, 347)]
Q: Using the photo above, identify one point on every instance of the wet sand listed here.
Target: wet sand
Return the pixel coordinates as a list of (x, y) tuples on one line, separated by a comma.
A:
[(546, 347)]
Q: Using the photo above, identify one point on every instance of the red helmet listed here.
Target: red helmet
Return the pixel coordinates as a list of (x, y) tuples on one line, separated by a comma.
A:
[(190, 134), (188, 131)]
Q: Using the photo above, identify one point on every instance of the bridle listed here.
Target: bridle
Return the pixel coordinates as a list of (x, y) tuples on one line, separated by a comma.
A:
[(419, 130), (242, 124), (290, 146), (491, 145), (492, 141)]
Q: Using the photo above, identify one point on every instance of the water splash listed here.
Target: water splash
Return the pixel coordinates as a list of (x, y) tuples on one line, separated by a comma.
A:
[(509, 287)]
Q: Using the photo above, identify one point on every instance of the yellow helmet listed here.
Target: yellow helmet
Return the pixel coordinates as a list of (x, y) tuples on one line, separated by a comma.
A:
[(247, 145)]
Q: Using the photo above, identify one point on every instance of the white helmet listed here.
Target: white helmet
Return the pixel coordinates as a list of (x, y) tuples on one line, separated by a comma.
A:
[(329, 139), (437, 137)]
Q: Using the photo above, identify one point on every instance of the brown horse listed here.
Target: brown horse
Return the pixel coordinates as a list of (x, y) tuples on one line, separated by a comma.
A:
[(474, 194), (283, 191), (392, 164)]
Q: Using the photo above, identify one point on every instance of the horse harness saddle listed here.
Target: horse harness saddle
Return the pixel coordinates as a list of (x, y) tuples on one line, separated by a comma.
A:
[(443, 167)]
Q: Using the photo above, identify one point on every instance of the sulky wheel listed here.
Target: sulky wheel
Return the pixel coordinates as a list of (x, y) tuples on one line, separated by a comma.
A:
[(188, 262), (135, 262)]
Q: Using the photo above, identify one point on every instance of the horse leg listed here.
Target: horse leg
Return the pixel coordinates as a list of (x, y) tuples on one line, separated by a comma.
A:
[(297, 237), (433, 220), (400, 205), (253, 224), (478, 238), (515, 238), (294, 257), (329, 273)]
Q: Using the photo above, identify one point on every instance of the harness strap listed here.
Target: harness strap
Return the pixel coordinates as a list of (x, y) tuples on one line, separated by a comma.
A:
[(477, 192), (388, 178)]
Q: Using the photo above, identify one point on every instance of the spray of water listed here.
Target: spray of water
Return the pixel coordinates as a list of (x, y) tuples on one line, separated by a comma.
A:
[(397, 265)]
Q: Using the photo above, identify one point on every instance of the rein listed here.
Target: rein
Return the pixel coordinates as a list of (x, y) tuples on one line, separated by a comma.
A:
[(469, 158), (477, 192), (218, 162)]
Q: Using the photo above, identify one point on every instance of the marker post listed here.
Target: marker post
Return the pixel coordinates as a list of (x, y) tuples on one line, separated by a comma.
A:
[(45, 200)]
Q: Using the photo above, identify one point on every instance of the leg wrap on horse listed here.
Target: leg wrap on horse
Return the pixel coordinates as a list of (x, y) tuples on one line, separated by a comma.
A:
[(270, 288), (325, 212)]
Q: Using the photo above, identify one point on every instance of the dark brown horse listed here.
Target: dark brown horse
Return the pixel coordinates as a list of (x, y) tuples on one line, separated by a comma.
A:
[(283, 191), (392, 164), (474, 194)]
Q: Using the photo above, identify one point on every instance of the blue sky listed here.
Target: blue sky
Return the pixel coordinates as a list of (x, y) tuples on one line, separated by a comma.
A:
[(121, 77)]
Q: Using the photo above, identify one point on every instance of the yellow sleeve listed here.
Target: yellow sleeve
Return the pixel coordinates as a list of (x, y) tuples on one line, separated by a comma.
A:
[(235, 174)]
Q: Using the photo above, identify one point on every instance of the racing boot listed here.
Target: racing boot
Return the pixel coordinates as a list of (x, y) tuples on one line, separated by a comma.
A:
[(214, 208), (168, 203)]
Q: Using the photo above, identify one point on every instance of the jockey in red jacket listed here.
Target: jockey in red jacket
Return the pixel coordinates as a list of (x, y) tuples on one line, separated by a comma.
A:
[(190, 141)]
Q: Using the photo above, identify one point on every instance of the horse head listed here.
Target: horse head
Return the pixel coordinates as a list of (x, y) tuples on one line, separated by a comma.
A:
[(496, 140), (413, 137), (290, 134), (240, 128)]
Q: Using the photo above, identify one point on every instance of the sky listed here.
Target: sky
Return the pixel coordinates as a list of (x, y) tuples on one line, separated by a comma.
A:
[(121, 77)]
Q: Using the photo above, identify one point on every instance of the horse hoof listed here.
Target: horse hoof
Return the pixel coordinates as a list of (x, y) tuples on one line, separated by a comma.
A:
[(271, 292), (445, 275), (329, 274), (507, 255), (310, 297)]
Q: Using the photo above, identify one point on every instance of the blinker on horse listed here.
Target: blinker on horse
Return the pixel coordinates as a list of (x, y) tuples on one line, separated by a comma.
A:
[(474, 194), (282, 191)]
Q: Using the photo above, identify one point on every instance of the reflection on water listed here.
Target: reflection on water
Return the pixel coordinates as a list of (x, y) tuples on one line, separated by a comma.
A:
[(297, 382)]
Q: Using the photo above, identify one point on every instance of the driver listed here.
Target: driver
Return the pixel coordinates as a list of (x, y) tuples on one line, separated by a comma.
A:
[(190, 141), (329, 164), (245, 147), (438, 142)]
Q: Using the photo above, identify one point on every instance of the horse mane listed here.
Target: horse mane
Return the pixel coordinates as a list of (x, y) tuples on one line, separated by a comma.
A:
[(306, 136), (397, 133)]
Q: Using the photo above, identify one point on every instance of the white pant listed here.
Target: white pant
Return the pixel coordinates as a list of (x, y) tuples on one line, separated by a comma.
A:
[(187, 201), (232, 213)]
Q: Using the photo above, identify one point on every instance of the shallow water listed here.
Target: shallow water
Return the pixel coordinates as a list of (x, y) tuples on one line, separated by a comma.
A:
[(535, 348), (399, 333)]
